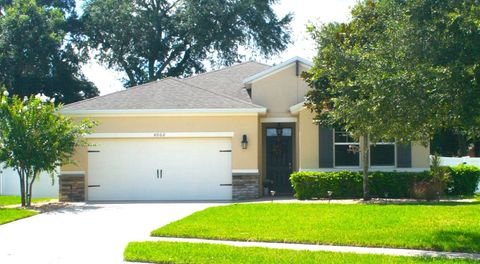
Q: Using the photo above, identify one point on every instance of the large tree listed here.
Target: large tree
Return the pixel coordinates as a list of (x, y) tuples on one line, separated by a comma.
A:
[(34, 138), (36, 51), (399, 70), (152, 39)]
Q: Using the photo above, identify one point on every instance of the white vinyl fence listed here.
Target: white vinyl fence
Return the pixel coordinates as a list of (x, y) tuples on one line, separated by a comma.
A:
[(449, 161), (454, 161), (42, 187)]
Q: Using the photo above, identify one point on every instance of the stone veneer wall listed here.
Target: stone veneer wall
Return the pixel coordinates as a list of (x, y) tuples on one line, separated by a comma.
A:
[(72, 188), (245, 186)]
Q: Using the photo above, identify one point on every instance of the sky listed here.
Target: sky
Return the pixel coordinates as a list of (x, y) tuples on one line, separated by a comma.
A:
[(304, 11)]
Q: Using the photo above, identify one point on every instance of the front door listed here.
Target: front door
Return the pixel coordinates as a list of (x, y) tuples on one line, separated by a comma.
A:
[(279, 158)]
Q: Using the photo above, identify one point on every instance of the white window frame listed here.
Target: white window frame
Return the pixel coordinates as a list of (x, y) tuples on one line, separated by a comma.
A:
[(394, 155), (343, 144)]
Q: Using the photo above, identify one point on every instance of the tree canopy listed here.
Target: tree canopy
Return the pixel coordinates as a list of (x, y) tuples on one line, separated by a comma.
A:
[(150, 40), (399, 69), (36, 50)]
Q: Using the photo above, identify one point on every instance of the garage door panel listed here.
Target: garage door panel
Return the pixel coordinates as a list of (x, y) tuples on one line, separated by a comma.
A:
[(189, 169)]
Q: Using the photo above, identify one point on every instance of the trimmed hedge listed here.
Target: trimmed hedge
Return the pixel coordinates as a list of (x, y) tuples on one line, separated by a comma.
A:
[(464, 180), (348, 184)]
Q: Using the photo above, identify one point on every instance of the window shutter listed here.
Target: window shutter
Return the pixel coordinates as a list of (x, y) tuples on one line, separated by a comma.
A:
[(404, 155), (325, 152)]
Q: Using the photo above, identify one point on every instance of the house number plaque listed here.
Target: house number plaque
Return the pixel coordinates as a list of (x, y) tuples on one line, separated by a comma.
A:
[(159, 134)]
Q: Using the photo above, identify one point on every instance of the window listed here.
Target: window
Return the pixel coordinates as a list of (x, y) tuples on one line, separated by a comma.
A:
[(277, 132), (346, 150), (382, 154)]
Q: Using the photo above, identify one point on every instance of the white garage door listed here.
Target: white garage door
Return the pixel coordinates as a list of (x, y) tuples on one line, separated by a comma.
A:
[(160, 169)]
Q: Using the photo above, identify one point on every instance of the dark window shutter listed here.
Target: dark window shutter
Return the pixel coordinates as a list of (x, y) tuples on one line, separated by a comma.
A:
[(325, 144), (404, 155)]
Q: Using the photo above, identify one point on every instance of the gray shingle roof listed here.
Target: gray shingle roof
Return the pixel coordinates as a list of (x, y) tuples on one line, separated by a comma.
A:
[(221, 89), (229, 80), (169, 93)]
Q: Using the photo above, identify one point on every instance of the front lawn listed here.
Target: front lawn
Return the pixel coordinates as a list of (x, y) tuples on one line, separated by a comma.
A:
[(446, 227), (175, 252), (9, 214), (12, 200)]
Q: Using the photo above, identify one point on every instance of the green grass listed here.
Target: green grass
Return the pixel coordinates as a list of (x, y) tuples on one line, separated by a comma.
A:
[(9, 214), (176, 252), (446, 227), (12, 200)]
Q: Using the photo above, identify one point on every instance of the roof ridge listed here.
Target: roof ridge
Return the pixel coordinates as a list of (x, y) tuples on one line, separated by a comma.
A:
[(219, 94), (121, 91), (225, 68)]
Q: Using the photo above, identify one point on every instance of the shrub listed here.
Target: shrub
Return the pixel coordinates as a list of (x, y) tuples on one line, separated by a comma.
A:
[(425, 185), (394, 184), (464, 180), (342, 184), (434, 186)]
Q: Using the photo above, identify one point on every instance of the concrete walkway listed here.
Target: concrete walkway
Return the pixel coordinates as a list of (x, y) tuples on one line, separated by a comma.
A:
[(87, 233), (349, 249)]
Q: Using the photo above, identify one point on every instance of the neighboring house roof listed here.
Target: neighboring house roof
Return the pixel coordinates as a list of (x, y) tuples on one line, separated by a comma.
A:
[(272, 70), (229, 80), (168, 93)]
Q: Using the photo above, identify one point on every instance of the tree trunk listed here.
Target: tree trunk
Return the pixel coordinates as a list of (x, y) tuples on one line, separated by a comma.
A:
[(21, 175), (365, 162), (462, 145), (29, 190)]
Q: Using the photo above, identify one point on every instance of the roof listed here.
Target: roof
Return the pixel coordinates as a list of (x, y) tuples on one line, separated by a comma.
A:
[(222, 90), (229, 80), (168, 93), (272, 70)]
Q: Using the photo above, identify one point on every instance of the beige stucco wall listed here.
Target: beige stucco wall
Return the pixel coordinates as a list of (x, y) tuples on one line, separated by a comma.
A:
[(239, 125), (280, 91), (308, 141), (420, 155)]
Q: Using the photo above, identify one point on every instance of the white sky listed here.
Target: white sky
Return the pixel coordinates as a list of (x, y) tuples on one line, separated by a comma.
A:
[(305, 12)]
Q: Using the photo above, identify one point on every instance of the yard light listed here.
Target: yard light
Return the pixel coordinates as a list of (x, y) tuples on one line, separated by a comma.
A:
[(244, 142), (329, 193), (272, 193)]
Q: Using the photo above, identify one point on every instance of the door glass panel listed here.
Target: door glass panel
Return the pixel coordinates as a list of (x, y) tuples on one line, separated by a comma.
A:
[(271, 132), (287, 132)]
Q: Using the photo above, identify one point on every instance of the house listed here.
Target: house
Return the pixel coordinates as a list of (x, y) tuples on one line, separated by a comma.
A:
[(219, 135)]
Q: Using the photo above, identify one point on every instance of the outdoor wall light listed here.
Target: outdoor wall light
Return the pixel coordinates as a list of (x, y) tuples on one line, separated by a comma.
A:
[(244, 142)]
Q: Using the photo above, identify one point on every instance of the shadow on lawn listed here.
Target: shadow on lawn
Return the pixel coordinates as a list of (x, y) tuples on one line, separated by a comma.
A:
[(457, 241), (441, 203)]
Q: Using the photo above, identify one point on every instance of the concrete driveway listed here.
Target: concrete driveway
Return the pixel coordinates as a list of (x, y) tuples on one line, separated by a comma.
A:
[(92, 233)]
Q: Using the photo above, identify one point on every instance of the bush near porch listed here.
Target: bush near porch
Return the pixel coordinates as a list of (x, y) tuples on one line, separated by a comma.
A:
[(348, 184)]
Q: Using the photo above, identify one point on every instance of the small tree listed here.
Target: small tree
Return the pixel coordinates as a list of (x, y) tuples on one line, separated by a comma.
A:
[(35, 138)]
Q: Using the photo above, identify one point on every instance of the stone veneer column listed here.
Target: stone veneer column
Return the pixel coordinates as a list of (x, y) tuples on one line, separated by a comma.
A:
[(245, 186), (72, 187)]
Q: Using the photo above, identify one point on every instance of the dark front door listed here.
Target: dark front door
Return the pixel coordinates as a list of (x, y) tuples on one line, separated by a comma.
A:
[(279, 158)]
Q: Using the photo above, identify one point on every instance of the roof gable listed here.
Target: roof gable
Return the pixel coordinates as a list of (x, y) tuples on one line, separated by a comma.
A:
[(228, 81), (275, 69)]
